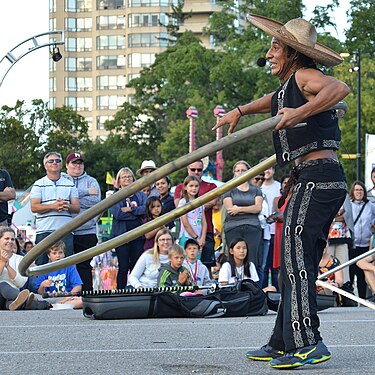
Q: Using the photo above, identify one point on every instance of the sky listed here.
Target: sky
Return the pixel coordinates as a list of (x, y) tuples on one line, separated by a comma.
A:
[(28, 78)]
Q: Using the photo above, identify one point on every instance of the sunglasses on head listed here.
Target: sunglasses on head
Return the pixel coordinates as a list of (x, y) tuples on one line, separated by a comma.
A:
[(51, 161), (196, 169)]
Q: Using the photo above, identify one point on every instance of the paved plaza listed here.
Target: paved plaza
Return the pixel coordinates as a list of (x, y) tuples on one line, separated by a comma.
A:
[(65, 342)]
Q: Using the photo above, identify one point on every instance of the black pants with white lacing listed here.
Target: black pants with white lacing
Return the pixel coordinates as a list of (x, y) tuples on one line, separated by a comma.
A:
[(319, 191)]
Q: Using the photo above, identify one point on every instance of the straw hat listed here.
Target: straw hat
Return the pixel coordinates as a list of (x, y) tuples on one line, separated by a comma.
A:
[(300, 35), (146, 164)]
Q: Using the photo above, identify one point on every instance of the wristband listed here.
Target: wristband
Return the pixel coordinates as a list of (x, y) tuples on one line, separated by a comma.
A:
[(239, 110)]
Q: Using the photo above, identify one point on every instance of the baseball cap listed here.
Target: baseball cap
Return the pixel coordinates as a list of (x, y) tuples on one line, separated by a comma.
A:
[(74, 156)]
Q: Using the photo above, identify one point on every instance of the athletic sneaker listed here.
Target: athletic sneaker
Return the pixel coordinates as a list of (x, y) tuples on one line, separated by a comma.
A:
[(18, 303), (30, 299), (311, 354), (265, 353)]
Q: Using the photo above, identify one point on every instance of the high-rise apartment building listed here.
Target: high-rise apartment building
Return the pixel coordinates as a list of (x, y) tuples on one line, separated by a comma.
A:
[(107, 43)]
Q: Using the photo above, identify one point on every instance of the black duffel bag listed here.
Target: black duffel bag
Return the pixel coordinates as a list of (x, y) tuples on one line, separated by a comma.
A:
[(244, 299)]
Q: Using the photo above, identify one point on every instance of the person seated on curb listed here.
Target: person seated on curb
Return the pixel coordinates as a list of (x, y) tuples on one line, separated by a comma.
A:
[(174, 273), (146, 270), (64, 280), (199, 273), (221, 258), (10, 279), (327, 263), (368, 266)]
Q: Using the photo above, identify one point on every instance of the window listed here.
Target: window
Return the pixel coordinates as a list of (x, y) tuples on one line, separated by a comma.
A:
[(84, 44), (79, 104), (152, 3), (100, 120), (52, 65), (132, 76), (110, 4), (52, 103), (147, 19), (110, 42), (78, 24), (109, 101), (52, 6), (131, 100), (110, 62), (110, 82), (89, 122), (140, 60), (78, 5), (79, 64), (52, 24), (110, 22), (52, 84), (78, 44), (78, 84), (148, 40)]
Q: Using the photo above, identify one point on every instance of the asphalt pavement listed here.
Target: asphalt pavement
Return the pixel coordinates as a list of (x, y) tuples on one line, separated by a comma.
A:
[(65, 342)]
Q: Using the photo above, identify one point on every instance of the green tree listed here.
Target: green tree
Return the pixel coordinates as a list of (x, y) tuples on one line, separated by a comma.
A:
[(360, 37), (361, 33), (28, 133), (349, 123), (65, 130), (20, 144), (188, 74)]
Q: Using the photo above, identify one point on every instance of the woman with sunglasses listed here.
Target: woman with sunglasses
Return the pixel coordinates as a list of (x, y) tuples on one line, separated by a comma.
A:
[(243, 205), (127, 215), (258, 180), (146, 271)]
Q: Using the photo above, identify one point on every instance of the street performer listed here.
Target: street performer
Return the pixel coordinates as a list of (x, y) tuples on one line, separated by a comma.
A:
[(307, 134)]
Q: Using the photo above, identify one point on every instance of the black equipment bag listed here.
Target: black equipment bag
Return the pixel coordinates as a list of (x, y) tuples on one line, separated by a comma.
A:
[(324, 301), (245, 299), (105, 307)]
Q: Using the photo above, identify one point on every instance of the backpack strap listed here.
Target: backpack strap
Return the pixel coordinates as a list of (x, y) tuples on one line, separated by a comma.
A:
[(359, 215)]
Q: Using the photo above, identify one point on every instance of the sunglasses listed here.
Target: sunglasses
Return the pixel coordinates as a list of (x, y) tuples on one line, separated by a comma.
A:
[(259, 178), (77, 162), (196, 169), (51, 161)]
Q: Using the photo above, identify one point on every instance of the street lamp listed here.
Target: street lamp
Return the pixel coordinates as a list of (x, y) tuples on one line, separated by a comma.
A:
[(219, 112), (357, 68), (192, 114), (49, 38)]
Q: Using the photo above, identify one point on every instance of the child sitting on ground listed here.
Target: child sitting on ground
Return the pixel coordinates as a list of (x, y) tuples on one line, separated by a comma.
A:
[(221, 258), (238, 266), (63, 280), (174, 273), (198, 271)]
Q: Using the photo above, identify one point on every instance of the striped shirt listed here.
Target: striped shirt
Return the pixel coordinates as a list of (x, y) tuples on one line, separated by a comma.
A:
[(48, 191)]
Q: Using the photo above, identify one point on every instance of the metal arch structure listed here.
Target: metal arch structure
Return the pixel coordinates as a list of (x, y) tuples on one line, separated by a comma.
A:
[(161, 172), (29, 45)]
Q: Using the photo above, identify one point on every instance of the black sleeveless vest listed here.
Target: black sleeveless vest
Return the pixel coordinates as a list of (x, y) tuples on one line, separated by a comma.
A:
[(318, 132)]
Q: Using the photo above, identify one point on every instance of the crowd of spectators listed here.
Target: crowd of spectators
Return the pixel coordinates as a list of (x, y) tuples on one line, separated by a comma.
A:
[(232, 237)]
